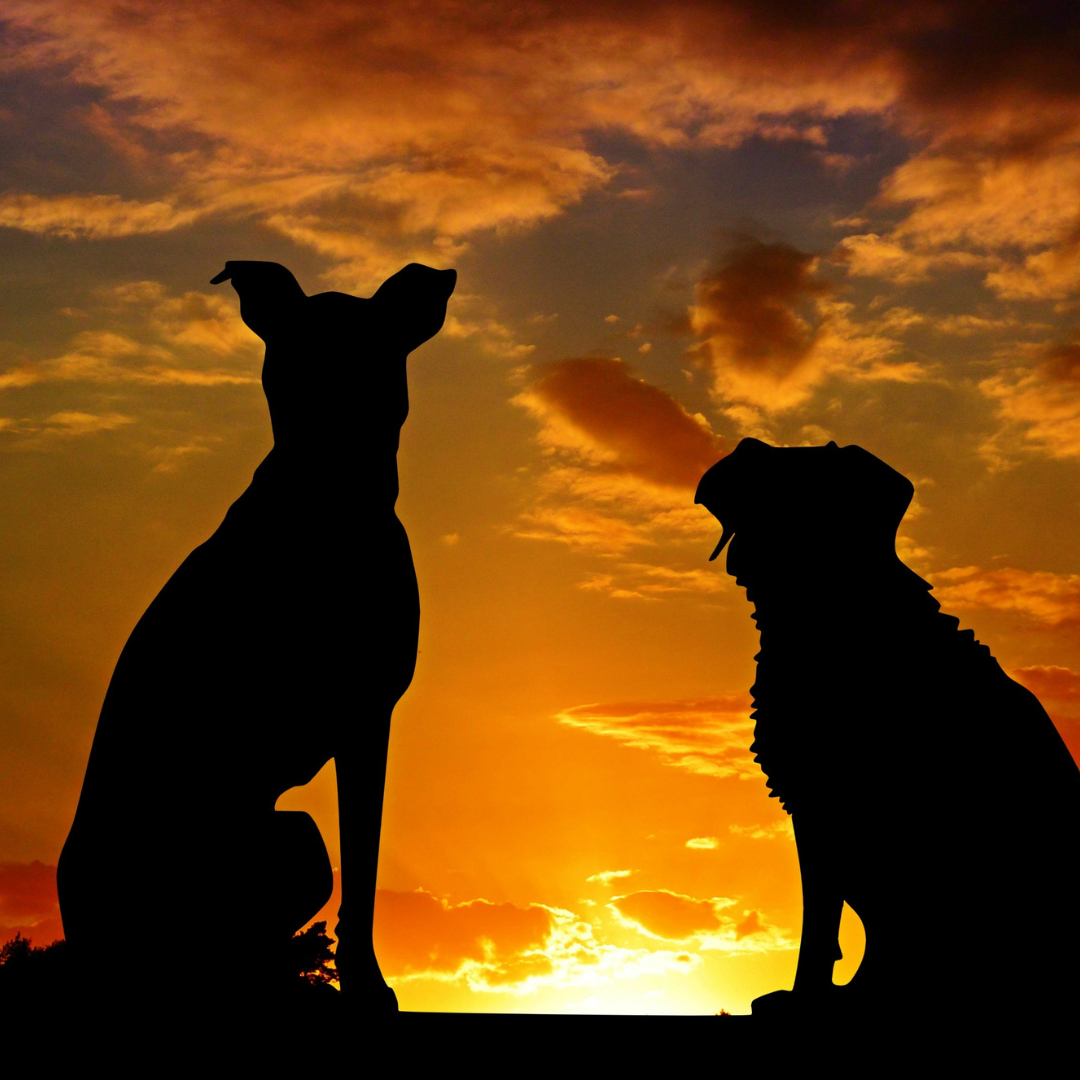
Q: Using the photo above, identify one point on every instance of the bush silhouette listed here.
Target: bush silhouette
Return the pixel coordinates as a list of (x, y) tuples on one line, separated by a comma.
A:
[(28, 969), (310, 955)]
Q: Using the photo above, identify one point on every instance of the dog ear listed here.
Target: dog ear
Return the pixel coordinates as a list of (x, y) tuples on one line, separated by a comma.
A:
[(413, 304), (880, 493), (269, 294)]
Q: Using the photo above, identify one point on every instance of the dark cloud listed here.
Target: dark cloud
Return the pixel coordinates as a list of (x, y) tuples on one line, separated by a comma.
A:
[(369, 130), (746, 308), (650, 434), (1062, 363)]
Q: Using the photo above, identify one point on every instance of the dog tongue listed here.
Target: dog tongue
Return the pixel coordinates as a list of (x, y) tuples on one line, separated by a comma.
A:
[(725, 536)]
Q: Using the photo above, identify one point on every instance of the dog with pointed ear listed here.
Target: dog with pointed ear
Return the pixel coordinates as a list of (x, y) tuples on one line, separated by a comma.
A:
[(918, 775), (281, 642)]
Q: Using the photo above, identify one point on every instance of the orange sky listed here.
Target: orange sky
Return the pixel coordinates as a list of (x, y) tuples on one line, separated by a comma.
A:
[(674, 225)]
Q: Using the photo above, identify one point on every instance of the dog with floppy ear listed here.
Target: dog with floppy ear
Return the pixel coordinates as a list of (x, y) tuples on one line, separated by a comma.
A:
[(281, 642), (927, 789)]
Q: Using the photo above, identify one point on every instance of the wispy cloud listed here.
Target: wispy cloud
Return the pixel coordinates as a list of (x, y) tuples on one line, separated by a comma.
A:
[(709, 736), (606, 877), (1039, 595), (703, 843), (1038, 402), (777, 829)]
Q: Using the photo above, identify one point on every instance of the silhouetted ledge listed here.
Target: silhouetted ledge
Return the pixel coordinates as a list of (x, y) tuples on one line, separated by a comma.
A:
[(525, 1043)]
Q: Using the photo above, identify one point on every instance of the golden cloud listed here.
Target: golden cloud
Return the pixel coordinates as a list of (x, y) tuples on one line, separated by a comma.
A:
[(92, 217), (504, 948), (1058, 688), (708, 736), (1052, 599), (642, 581), (782, 829), (670, 916), (360, 128), (1039, 404), (196, 324), (606, 877)]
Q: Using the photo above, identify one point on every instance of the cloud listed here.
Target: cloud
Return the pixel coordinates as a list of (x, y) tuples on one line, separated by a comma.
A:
[(744, 308), (1042, 596), (1055, 687), (1058, 689), (1039, 404), (28, 902), (495, 338), (606, 877), (623, 458), (420, 931), (703, 843), (777, 829), (504, 948), (708, 736), (79, 423), (165, 341), (91, 217), (870, 255), (361, 128), (601, 411), (770, 330), (671, 916), (1053, 274), (642, 581)]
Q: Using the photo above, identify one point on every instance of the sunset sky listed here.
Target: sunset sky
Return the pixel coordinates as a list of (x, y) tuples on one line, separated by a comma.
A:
[(674, 225)]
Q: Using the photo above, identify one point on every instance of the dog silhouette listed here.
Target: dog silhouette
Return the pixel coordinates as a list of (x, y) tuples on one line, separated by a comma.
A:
[(927, 789), (281, 642)]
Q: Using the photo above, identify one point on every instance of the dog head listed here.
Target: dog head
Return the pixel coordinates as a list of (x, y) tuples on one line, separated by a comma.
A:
[(406, 310), (789, 509), (333, 344)]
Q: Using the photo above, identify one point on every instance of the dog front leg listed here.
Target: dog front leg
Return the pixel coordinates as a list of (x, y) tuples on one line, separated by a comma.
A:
[(361, 778), (823, 904)]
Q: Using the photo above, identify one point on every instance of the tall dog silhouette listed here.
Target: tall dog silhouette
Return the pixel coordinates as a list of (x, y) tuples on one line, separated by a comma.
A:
[(284, 640), (926, 788)]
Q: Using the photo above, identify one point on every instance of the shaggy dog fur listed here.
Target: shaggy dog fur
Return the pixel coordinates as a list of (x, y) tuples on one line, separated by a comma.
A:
[(926, 788), (284, 640)]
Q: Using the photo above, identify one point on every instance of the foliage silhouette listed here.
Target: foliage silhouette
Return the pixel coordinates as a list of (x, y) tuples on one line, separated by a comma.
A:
[(922, 781), (312, 955), (283, 641), (32, 970)]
